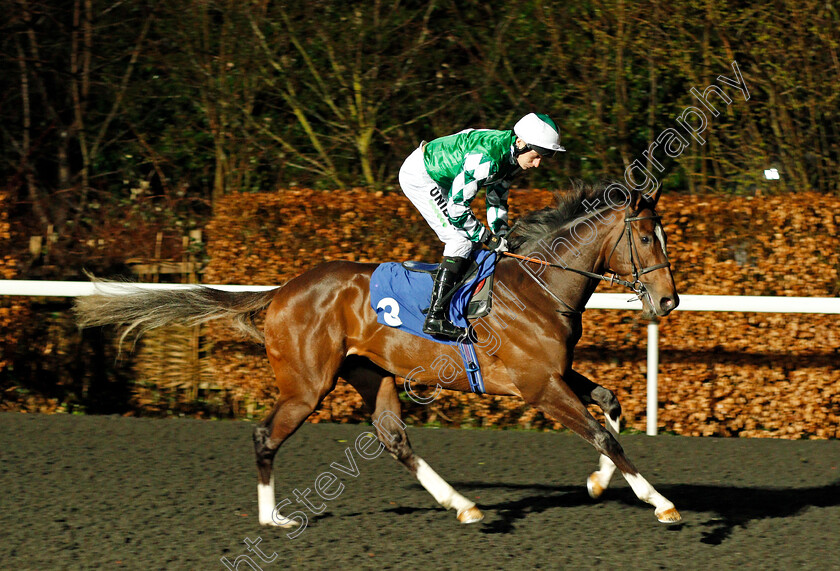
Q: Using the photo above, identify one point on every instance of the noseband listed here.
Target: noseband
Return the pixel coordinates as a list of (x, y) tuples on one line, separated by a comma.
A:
[(636, 285)]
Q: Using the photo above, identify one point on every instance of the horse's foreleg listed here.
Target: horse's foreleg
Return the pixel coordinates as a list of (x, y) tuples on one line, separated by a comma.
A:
[(560, 401), (380, 394), (592, 393)]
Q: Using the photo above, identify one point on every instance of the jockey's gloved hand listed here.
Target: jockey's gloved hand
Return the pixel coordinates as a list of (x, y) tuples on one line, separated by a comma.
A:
[(497, 244), (503, 230)]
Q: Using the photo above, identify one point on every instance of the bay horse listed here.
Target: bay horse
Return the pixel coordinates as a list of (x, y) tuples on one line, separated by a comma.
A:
[(320, 326)]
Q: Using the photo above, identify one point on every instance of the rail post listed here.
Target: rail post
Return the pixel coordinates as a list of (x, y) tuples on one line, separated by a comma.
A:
[(652, 377)]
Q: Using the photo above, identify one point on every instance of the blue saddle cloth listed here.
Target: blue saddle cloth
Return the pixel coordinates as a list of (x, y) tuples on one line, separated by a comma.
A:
[(399, 296)]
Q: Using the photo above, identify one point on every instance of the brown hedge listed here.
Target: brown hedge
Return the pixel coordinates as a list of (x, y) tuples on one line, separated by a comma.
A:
[(13, 310), (728, 374)]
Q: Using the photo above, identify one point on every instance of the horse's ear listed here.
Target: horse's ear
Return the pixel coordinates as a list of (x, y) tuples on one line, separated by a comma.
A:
[(653, 196), (636, 200)]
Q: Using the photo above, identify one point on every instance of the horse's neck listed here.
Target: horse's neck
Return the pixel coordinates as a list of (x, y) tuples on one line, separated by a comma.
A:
[(574, 288), (564, 250)]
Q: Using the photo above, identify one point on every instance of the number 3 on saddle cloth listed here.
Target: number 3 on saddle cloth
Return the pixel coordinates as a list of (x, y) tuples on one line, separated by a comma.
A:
[(400, 294)]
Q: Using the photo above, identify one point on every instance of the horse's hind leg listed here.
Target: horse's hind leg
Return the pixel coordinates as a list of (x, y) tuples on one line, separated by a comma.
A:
[(560, 401), (593, 393), (380, 395), (285, 418), (298, 399)]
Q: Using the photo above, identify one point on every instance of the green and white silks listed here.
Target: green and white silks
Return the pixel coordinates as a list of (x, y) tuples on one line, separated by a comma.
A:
[(441, 178)]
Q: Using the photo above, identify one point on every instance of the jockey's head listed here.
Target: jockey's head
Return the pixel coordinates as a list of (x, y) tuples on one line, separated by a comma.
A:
[(537, 137)]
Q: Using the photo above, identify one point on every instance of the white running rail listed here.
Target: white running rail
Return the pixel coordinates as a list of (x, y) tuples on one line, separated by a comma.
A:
[(729, 303)]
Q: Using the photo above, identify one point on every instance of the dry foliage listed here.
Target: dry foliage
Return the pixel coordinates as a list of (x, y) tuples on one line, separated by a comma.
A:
[(727, 374), (14, 310)]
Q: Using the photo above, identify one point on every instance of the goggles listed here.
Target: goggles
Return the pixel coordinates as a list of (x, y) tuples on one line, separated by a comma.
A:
[(542, 152)]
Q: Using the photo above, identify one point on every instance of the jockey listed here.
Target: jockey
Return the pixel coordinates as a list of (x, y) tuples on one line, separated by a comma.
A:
[(442, 177)]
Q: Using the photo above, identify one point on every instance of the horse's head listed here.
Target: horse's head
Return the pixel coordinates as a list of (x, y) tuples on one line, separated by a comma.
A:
[(595, 229), (636, 251)]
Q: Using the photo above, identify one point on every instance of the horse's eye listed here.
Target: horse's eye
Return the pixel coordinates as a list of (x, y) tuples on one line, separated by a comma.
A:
[(645, 239)]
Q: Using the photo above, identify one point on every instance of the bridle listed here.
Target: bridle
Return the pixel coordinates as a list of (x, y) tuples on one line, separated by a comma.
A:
[(636, 285)]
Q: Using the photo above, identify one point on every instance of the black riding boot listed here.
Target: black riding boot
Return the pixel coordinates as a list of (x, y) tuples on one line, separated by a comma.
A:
[(437, 321)]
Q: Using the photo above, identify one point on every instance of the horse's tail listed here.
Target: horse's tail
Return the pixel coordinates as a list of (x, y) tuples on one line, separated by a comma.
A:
[(140, 310)]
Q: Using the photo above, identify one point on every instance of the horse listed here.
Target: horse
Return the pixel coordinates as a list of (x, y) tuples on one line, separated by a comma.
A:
[(320, 326)]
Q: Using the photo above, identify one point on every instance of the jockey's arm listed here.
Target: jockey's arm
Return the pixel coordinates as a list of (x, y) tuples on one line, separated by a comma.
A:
[(497, 206), (475, 170)]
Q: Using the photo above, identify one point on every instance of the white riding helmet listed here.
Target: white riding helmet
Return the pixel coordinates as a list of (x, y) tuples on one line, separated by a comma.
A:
[(540, 134)]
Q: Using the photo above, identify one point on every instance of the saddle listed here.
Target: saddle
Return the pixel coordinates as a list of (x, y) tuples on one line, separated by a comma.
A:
[(481, 301), (400, 293)]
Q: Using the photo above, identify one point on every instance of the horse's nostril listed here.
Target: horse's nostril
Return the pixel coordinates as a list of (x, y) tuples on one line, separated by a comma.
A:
[(667, 304)]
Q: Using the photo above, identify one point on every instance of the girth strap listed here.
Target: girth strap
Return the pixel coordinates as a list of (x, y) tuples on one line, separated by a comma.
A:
[(472, 367)]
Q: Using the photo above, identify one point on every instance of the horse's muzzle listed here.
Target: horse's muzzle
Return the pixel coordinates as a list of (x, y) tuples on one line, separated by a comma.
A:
[(667, 305)]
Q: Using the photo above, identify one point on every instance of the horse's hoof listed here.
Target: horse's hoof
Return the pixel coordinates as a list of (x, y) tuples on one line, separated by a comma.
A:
[(668, 515), (470, 515), (594, 487), (282, 522)]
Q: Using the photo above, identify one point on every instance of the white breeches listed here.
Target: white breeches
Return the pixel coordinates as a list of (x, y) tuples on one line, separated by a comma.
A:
[(426, 196)]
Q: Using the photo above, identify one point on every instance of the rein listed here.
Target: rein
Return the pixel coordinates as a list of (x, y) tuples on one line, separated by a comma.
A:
[(592, 275), (636, 285)]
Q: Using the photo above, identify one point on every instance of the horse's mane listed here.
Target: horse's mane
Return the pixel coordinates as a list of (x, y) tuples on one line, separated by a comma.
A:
[(569, 206)]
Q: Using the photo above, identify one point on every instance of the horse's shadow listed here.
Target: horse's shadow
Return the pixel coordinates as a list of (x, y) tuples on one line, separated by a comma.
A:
[(738, 506), (733, 506)]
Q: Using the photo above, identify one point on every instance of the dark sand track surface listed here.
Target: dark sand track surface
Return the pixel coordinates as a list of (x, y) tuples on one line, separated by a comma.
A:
[(111, 493)]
